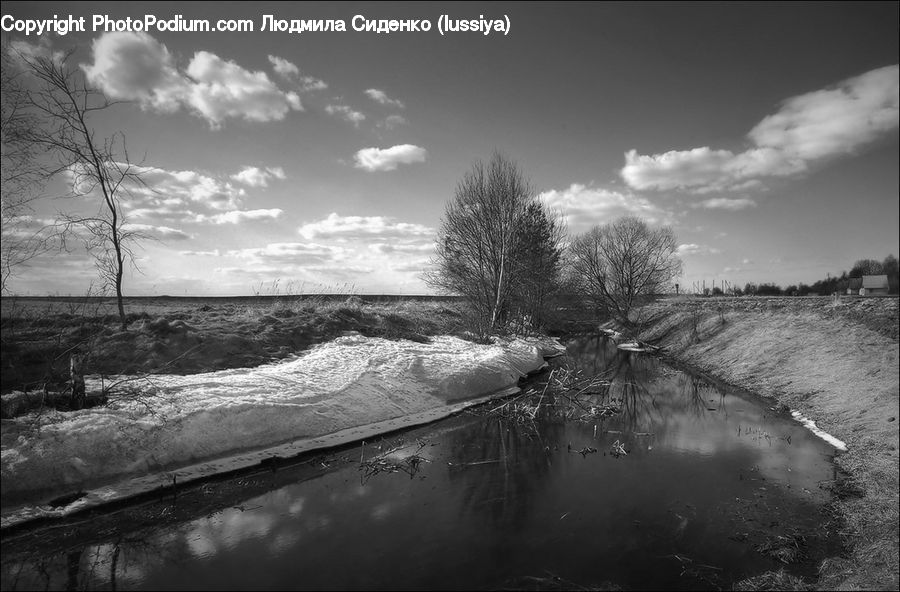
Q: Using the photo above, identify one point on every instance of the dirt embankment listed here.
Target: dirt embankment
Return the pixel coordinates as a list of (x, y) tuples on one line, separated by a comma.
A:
[(836, 361)]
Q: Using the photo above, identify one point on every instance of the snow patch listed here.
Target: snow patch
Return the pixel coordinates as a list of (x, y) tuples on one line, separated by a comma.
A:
[(811, 426), (348, 389)]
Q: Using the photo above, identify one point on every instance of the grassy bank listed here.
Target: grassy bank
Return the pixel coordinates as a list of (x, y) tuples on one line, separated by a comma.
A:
[(186, 336), (837, 363)]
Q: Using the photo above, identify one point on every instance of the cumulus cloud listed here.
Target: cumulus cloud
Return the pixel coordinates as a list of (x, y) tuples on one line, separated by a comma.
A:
[(345, 113), (727, 203), (388, 159), (135, 66), (223, 89), (381, 97), (336, 226), (583, 206), (258, 177), (810, 127), (182, 192)]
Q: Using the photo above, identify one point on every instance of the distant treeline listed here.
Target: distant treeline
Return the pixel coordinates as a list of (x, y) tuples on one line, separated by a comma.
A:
[(831, 284)]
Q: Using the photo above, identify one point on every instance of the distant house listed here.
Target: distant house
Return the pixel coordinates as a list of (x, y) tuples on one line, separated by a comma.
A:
[(854, 286), (874, 284)]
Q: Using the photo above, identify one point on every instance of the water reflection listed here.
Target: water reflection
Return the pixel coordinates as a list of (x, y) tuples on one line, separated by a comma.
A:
[(709, 476)]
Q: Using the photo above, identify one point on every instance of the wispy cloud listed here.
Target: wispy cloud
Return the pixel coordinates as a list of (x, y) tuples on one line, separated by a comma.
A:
[(807, 128), (346, 113), (383, 228), (727, 203), (291, 73), (381, 97), (392, 121), (388, 159), (241, 216), (690, 249), (158, 232)]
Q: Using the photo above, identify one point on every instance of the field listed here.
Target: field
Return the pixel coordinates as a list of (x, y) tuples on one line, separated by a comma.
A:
[(833, 359)]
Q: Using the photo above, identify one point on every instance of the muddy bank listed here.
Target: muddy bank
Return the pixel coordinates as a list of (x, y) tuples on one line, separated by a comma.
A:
[(834, 361)]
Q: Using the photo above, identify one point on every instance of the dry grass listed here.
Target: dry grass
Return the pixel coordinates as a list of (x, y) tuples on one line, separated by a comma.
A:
[(774, 580), (836, 362)]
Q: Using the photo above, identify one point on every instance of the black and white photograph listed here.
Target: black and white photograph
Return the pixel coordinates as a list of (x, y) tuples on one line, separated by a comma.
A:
[(450, 295)]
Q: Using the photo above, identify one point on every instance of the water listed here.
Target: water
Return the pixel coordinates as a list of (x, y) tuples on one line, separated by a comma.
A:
[(714, 487)]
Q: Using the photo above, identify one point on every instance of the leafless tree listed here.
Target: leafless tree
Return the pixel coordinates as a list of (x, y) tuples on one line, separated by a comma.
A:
[(63, 104), (616, 264), (21, 174), (498, 246)]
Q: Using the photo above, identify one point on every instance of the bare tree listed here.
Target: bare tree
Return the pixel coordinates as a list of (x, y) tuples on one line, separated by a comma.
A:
[(21, 174), (63, 104), (616, 264), (497, 245)]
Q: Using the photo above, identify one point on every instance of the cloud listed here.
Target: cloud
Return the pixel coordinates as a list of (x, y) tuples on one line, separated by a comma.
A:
[(159, 232), (379, 96), (583, 206), (388, 159), (213, 253), (338, 248), (345, 113), (135, 66), (690, 249), (340, 227), (182, 192), (288, 254), (23, 51), (241, 216), (166, 196), (258, 177), (283, 67), (392, 121), (290, 72), (727, 203), (807, 128), (386, 248), (223, 89)]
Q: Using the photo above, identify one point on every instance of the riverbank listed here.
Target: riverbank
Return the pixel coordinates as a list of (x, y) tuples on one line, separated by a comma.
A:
[(169, 428), (834, 361), (193, 335)]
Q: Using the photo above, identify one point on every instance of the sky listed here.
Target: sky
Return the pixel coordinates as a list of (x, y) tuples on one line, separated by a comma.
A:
[(764, 134)]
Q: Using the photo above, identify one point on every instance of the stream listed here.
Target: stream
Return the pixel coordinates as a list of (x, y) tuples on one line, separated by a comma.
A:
[(683, 484)]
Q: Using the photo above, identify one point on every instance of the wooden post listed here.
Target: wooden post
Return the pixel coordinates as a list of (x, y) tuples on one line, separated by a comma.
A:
[(76, 381)]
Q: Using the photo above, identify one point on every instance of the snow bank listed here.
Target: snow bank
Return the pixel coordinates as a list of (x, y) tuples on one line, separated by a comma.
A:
[(811, 426), (351, 382)]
